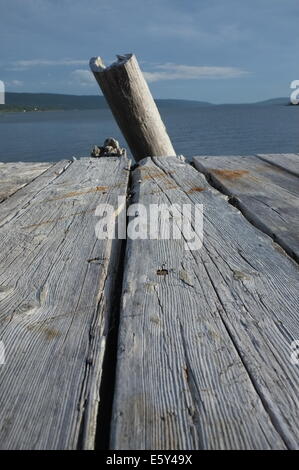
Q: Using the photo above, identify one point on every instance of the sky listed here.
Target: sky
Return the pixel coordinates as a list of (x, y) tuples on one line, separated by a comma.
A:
[(221, 51)]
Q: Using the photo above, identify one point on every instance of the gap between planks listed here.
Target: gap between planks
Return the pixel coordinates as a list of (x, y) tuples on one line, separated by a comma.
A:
[(231, 337)]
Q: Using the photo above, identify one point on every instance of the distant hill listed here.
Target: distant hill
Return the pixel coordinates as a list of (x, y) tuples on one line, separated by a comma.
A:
[(270, 102), (274, 101), (30, 101), (53, 101), (181, 103)]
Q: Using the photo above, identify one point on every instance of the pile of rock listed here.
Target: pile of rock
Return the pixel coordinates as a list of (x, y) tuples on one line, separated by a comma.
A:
[(110, 148)]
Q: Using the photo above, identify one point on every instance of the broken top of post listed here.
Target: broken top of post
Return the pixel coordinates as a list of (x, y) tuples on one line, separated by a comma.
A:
[(133, 106)]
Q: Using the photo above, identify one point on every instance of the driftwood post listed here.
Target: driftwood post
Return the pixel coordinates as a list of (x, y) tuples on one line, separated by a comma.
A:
[(132, 104)]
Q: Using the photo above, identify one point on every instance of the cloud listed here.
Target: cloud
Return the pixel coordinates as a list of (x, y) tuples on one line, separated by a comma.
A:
[(14, 83), (171, 71), (26, 64), (82, 77)]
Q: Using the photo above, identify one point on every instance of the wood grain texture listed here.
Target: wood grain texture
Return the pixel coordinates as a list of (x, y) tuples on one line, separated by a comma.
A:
[(56, 296), (133, 106), (204, 341), (15, 175), (22, 199), (286, 161), (267, 194)]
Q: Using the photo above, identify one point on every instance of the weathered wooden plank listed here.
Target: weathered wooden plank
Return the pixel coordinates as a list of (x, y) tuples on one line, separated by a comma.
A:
[(57, 282), (286, 161), (204, 340), (20, 200), (266, 194), (15, 175)]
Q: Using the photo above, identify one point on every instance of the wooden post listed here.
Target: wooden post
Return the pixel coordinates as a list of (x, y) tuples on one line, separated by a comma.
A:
[(132, 104)]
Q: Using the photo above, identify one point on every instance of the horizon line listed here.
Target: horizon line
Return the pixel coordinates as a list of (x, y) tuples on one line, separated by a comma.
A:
[(166, 99)]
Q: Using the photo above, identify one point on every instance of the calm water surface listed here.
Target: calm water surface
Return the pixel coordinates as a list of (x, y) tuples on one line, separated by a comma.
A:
[(215, 130)]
